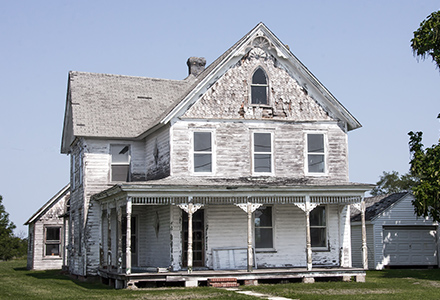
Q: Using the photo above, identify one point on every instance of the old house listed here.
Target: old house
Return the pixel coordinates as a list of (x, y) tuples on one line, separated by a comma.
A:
[(396, 237), (48, 228), (241, 166)]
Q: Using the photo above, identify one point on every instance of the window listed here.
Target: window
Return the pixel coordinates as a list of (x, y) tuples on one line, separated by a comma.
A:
[(259, 87), (202, 152), (318, 230), (52, 241), (315, 153), (120, 161), (263, 227), (262, 152)]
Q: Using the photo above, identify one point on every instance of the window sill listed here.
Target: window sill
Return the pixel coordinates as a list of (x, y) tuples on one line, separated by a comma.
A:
[(261, 105), (52, 257), (320, 249), (266, 250)]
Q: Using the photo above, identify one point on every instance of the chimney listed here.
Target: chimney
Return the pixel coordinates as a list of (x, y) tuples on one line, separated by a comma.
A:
[(196, 65)]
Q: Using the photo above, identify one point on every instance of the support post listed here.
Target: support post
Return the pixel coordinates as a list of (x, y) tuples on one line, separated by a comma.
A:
[(364, 237), (128, 242), (119, 253), (250, 258), (109, 238), (308, 242), (190, 237)]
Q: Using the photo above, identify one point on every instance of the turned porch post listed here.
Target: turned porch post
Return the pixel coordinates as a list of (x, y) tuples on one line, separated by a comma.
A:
[(119, 224), (308, 241), (128, 242), (109, 238), (190, 237), (364, 238), (250, 256)]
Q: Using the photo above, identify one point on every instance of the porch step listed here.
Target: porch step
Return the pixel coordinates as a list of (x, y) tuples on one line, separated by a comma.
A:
[(223, 282)]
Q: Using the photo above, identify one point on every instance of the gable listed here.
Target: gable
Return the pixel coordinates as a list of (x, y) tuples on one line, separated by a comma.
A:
[(230, 96), (282, 59)]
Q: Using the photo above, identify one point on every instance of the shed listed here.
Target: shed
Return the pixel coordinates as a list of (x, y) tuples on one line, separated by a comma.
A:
[(48, 229), (396, 237)]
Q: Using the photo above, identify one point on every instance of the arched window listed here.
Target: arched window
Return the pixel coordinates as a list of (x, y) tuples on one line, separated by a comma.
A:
[(259, 87)]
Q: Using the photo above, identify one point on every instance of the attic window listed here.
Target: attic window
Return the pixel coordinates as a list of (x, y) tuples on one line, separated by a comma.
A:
[(259, 87), (145, 97)]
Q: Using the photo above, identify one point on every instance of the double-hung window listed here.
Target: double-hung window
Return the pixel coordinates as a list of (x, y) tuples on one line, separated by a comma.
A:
[(120, 162), (315, 153), (263, 228), (202, 148), (318, 227), (52, 241), (262, 152)]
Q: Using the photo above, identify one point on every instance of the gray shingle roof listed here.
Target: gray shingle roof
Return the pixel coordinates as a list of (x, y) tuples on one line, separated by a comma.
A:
[(105, 105), (376, 205)]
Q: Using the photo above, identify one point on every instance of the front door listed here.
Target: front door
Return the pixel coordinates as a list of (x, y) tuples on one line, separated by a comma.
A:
[(198, 238)]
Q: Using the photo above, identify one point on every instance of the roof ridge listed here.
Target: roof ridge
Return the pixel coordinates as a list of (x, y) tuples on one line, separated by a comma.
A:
[(188, 78)]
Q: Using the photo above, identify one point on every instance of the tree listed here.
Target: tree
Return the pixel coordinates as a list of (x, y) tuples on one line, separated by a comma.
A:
[(10, 246), (425, 165), (392, 182), (426, 40)]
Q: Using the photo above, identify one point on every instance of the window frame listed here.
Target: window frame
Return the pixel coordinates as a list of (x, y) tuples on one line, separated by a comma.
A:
[(324, 153), (252, 84), (52, 242), (272, 153), (325, 227), (272, 227), (119, 163), (193, 152)]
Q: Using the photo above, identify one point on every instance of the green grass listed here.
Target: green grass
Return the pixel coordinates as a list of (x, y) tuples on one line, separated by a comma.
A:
[(18, 283)]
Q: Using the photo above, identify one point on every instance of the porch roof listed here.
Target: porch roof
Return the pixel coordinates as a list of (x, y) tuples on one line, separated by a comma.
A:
[(208, 190)]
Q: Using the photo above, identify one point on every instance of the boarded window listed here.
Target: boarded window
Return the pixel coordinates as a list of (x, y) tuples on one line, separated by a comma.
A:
[(202, 152), (318, 228), (315, 153), (120, 156), (263, 227), (53, 241), (262, 152), (259, 87)]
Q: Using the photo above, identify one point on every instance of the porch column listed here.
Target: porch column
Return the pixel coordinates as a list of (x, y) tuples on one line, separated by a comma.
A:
[(361, 206), (119, 224), (109, 238), (128, 242), (64, 241), (249, 208), (364, 237), (190, 209), (307, 207)]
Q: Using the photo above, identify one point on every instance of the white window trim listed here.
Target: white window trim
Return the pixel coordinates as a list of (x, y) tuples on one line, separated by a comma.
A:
[(306, 154), (60, 250), (213, 152), (272, 154), (266, 85), (325, 248), (273, 249), (120, 164)]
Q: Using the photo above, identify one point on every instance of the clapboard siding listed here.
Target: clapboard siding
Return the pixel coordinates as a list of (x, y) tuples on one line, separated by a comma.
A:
[(233, 150), (331, 256), (157, 154), (175, 237)]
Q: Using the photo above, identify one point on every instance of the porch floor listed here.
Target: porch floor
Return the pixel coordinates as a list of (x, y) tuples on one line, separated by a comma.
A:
[(200, 277)]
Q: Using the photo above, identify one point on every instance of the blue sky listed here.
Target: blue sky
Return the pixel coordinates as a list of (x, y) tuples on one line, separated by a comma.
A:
[(359, 50)]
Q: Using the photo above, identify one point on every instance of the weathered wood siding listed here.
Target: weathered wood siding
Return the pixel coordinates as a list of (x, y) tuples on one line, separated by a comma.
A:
[(232, 149), (175, 237), (51, 217), (157, 154)]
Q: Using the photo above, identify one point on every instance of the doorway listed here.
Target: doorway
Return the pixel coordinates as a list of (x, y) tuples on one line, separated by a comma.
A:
[(198, 238)]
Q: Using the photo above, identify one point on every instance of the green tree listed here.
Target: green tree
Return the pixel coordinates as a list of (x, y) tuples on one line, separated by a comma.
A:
[(425, 165), (10, 246), (426, 40), (392, 182)]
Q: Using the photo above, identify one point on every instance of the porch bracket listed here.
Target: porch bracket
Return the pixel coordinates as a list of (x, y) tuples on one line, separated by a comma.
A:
[(249, 208), (361, 206)]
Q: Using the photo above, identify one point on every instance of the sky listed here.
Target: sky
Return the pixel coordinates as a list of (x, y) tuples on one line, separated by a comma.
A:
[(359, 50)]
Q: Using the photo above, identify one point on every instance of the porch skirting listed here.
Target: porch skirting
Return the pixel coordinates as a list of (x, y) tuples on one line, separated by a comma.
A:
[(200, 277)]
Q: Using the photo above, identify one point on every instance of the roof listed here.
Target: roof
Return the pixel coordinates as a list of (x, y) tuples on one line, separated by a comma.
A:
[(374, 206), (64, 191), (116, 106)]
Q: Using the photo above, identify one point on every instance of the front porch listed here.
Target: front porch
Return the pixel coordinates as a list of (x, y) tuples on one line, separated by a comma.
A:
[(243, 277)]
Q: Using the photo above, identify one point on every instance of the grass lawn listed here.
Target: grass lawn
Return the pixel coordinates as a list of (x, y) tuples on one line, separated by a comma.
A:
[(18, 283)]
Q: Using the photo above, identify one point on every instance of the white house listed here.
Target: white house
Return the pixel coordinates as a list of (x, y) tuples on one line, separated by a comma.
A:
[(396, 237), (48, 229), (241, 166)]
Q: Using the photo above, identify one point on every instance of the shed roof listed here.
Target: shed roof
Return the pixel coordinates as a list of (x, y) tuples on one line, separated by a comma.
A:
[(374, 206)]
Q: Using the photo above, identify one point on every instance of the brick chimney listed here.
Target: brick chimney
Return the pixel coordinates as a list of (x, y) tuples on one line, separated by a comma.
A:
[(196, 65)]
